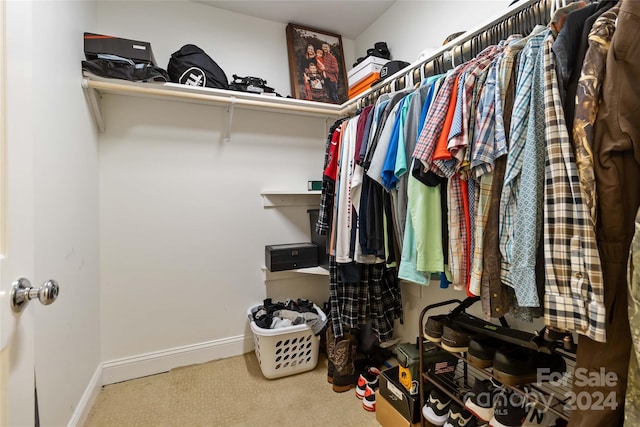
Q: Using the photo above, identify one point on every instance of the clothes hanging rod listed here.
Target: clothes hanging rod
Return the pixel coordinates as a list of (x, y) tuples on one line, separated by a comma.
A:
[(408, 72)]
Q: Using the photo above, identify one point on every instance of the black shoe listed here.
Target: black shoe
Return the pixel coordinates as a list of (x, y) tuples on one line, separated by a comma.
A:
[(459, 417), (514, 365), (553, 335), (482, 350), (511, 410), (455, 340), (482, 398), (433, 327), (436, 410)]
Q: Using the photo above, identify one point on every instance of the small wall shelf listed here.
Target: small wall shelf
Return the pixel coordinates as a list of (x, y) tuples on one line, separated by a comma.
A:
[(292, 274), (280, 198)]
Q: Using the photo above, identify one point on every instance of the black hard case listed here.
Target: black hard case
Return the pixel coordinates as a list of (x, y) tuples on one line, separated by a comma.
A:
[(291, 256)]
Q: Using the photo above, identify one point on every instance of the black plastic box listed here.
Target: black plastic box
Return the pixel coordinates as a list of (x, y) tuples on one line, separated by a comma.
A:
[(291, 256), (136, 50), (318, 239)]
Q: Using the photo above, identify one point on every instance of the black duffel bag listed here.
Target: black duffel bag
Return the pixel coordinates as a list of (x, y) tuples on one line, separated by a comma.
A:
[(192, 66)]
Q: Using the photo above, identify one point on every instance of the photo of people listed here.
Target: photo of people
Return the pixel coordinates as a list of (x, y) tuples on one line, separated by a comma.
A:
[(316, 63)]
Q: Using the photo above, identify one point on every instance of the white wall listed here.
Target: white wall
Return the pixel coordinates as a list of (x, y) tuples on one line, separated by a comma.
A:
[(182, 227), (240, 44), (66, 205), (408, 27)]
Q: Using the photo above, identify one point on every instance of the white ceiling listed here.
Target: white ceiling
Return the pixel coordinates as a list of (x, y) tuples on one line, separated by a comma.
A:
[(347, 18)]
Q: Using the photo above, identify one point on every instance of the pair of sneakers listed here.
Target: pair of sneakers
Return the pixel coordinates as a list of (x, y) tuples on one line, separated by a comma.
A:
[(368, 383), (440, 410), (500, 407), (439, 329)]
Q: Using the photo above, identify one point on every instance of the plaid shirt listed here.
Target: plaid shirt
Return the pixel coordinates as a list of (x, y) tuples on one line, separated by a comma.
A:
[(458, 250), (328, 186), (432, 128), (459, 140), (375, 296), (573, 296), (482, 162), (517, 138)]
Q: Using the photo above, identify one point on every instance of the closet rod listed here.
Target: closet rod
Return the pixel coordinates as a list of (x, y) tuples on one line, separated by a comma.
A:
[(407, 75)]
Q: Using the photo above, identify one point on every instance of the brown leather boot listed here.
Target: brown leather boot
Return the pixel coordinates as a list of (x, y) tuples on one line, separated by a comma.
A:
[(331, 345), (344, 373)]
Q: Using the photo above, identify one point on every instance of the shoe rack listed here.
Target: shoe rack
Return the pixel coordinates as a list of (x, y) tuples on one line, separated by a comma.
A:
[(552, 397)]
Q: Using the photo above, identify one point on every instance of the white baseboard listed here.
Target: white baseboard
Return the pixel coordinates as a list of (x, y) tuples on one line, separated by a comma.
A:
[(143, 365), (88, 397)]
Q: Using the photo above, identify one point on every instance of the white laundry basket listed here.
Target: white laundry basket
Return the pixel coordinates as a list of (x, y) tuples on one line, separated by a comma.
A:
[(285, 351)]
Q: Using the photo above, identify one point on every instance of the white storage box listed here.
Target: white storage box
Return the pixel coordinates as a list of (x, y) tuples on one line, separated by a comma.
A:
[(370, 65), (285, 351)]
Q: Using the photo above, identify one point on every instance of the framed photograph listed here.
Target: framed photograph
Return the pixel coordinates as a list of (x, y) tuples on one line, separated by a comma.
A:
[(316, 65)]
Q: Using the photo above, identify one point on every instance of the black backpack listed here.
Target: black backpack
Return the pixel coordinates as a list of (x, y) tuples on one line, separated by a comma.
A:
[(192, 66)]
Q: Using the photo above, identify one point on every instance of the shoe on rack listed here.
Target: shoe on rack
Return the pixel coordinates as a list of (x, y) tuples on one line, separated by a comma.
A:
[(553, 335), (514, 365), (433, 327), (482, 350), (455, 340), (436, 410), (482, 398), (517, 365), (367, 379), (538, 417), (369, 399), (511, 410), (459, 417)]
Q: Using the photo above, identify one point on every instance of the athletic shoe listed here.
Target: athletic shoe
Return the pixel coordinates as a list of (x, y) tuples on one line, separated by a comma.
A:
[(433, 327), (510, 410), (369, 399), (369, 378), (481, 400), (436, 410), (482, 350), (455, 340), (459, 417), (539, 417)]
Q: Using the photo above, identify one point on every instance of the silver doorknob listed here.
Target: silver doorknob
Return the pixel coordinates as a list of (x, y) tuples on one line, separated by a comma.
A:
[(22, 292)]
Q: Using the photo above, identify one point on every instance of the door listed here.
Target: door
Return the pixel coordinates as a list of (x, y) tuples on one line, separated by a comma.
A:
[(16, 218)]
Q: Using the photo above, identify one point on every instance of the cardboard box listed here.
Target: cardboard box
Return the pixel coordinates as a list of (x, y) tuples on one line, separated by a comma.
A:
[(407, 405), (370, 65), (138, 51), (388, 416)]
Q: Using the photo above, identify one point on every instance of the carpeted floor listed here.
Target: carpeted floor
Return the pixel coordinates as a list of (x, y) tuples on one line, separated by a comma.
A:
[(229, 392)]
